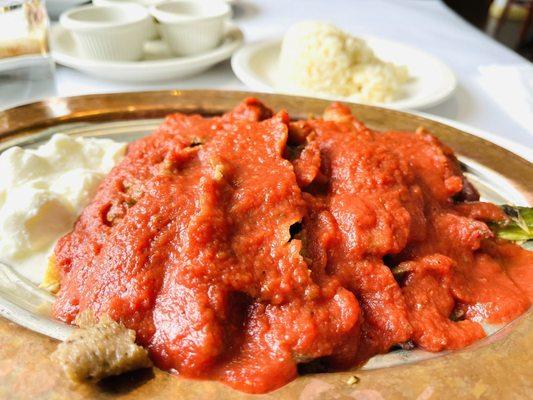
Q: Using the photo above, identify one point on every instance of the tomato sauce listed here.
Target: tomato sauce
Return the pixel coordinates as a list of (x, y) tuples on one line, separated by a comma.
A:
[(244, 247)]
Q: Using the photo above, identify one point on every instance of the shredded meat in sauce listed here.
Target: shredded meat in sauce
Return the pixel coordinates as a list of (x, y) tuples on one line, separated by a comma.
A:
[(238, 247)]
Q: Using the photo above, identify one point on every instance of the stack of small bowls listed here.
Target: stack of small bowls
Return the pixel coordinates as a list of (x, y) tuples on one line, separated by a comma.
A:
[(116, 30)]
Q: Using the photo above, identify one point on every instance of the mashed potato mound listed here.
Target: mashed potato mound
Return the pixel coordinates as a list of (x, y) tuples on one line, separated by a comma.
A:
[(320, 58)]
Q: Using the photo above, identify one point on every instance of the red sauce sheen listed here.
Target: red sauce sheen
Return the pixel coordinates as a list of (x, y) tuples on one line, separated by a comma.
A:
[(241, 246)]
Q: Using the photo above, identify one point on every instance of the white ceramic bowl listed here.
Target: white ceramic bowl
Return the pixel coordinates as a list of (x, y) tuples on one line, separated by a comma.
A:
[(114, 33), (152, 32), (191, 26)]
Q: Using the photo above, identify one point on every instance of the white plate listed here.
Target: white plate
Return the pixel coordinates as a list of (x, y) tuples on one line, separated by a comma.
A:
[(158, 64), (24, 61), (432, 81)]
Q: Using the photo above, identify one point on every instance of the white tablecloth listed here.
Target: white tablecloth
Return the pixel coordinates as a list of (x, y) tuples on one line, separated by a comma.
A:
[(427, 24)]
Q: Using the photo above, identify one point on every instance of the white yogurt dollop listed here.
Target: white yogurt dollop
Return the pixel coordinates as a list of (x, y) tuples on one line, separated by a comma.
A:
[(42, 193)]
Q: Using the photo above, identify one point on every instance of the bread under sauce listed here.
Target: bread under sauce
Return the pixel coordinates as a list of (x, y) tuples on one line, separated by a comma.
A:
[(100, 349)]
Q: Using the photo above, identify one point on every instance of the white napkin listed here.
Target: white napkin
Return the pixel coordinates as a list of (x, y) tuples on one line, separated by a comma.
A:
[(511, 87)]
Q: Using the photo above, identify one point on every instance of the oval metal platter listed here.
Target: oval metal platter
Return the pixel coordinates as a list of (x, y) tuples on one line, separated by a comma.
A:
[(497, 366)]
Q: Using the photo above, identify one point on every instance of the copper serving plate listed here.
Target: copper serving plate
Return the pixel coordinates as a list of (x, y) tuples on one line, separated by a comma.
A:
[(497, 367)]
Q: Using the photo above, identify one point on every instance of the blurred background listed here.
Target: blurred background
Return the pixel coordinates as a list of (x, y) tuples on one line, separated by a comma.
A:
[(483, 48), (508, 21)]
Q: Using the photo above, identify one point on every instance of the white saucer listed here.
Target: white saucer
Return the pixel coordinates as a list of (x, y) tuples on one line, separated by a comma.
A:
[(432, 81), (158, 63)]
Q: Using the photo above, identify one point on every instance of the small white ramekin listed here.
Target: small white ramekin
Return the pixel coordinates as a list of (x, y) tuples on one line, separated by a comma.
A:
[(114, 33), (191, 26), (152, 30)]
